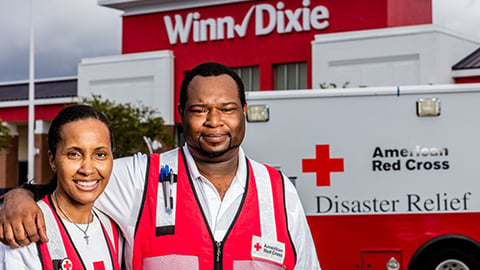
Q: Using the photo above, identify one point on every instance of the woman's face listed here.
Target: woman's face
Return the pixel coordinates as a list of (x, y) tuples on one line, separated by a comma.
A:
[(83, 161)]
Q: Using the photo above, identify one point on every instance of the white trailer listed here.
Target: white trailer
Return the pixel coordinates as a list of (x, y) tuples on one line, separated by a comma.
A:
[(389, 177)]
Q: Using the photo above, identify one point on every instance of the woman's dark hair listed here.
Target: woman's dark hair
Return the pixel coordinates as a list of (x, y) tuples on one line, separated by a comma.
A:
[(71, 114), (210, 69), (65, 116)]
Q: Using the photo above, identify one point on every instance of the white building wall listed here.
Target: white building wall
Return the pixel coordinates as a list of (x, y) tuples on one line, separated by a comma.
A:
[(139, 78), (410, 55)]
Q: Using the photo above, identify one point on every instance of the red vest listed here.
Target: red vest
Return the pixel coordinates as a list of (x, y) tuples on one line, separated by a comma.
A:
[(182, 239), (60, 253)]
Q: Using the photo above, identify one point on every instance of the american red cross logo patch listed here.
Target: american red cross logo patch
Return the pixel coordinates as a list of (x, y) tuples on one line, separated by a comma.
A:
[(66, 264), (322, 164), (257, 246)]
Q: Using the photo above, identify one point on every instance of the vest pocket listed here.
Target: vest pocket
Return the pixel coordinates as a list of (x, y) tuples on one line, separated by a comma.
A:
[(255, 265), (171, 262)]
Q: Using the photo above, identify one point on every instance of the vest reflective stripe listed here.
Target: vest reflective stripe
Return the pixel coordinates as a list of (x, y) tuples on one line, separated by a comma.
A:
[(114, 242), (56, 248), (108, 229), (191, 243), (241, 245), (265, 200), (59, 247)]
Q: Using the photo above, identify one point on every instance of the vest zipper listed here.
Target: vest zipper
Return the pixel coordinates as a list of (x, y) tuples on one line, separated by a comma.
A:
[(218, 255)]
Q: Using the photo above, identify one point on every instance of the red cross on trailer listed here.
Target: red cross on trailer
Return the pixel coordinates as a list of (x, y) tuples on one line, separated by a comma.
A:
[(322, 165)]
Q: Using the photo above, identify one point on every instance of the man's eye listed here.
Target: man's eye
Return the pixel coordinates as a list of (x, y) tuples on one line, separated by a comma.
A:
[(101, 155), (73, 155), (230, 109), (199, 111)]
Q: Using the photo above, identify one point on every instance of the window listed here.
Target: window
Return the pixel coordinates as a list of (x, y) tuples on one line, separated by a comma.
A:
[(290, 76), (250, 77)]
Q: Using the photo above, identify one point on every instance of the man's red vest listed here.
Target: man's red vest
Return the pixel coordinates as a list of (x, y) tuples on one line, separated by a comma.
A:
[(181, 239), (60, 253)]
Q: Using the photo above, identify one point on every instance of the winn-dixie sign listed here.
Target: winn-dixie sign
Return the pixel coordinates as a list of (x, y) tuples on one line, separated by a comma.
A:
[(268, 18)]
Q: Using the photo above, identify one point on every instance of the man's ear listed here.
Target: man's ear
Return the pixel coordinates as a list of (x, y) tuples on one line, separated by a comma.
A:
[(179, 109)]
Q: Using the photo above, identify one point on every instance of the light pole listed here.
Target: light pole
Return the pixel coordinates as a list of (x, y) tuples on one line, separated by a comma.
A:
[(31, 100)]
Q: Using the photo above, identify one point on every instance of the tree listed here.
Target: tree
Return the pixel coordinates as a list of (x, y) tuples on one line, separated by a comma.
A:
[(4, 136), (131, 124)]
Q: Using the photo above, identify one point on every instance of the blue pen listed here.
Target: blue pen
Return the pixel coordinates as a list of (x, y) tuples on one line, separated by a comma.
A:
[(164, 186), (167, 169)]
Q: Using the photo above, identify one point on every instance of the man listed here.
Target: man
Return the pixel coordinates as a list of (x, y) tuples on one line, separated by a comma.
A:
[(202, 206)]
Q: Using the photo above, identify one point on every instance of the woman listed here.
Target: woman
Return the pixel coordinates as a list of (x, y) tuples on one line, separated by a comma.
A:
[(80, 144)]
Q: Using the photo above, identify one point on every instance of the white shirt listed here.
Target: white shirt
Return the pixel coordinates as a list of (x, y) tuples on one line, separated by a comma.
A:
[(123, 197), (27, 257), (220, 214)]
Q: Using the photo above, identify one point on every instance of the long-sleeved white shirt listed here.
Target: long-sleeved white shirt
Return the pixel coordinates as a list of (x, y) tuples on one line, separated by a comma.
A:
[(122, 200)]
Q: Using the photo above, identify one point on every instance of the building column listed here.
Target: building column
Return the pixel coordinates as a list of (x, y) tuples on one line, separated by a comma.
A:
[(43, 173), (9, 162)]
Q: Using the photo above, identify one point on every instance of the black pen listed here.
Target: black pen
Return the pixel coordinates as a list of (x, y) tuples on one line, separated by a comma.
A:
[(166, 189), (170, 187)]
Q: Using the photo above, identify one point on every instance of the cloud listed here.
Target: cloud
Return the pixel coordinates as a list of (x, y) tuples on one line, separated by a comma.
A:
[(460, 16), (65, 32)]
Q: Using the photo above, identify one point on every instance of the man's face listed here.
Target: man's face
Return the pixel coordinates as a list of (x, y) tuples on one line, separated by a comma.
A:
[(214, 119)]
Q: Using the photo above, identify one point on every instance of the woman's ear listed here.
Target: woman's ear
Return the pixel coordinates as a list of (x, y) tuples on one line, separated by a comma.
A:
[(51, 160)]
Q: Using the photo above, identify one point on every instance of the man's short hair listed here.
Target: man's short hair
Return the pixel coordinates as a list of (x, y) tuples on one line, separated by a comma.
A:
[(211, 69)]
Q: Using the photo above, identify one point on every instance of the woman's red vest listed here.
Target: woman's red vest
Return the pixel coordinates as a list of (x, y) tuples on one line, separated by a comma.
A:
[(60, 253)]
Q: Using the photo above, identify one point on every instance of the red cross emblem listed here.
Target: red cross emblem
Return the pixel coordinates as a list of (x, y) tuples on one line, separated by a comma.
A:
[(257, 246), (322, 165), (67, 264)]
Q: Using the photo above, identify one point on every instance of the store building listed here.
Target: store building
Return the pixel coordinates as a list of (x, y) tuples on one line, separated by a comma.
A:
[(273, 45), (50, 97)]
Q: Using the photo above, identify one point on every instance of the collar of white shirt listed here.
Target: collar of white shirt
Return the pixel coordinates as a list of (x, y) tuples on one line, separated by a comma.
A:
[(239, 179), (219, 213)]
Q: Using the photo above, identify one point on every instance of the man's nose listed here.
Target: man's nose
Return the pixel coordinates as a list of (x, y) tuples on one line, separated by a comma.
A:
[(214, 118)]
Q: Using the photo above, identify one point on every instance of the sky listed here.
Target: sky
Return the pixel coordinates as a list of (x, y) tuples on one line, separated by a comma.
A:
[(68, 30), (65, 32)]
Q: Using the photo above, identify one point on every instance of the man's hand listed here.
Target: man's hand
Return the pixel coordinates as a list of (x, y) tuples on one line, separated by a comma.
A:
[(21, 220)]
